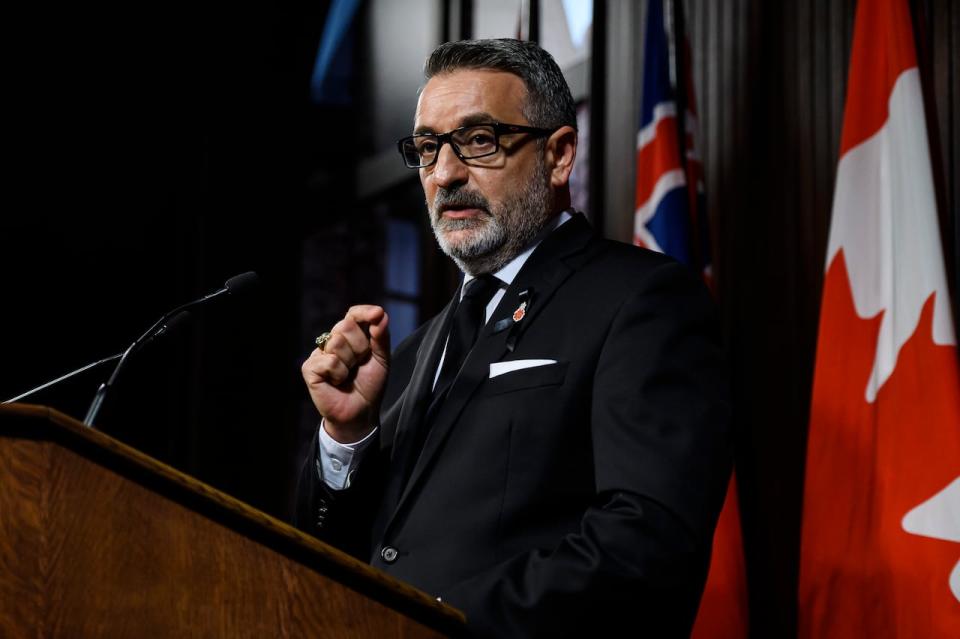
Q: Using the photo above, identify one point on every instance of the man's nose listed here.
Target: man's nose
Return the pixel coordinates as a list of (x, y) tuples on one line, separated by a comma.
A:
[(449, 169)]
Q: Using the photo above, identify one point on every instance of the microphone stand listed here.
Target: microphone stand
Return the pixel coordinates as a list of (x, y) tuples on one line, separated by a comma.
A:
[(159, 328), (235, 285)]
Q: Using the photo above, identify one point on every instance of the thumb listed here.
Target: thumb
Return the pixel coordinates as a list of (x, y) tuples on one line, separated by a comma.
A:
[(380, 339)]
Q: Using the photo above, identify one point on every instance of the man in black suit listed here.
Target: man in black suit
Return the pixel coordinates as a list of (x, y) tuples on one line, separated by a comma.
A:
[(550, 453)]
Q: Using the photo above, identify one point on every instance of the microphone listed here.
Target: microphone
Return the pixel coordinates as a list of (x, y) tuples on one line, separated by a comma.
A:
[(171, 326), (242, 284), (236, 285)]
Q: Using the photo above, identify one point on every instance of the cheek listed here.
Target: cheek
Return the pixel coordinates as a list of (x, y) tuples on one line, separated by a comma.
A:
[(493, 184), (427, 185), (501, 188)]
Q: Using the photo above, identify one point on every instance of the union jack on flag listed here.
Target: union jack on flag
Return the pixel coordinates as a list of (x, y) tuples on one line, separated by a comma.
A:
[(670, 214)]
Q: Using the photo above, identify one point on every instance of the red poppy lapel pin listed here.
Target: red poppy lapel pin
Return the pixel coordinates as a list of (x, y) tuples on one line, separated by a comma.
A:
[(521, 312)]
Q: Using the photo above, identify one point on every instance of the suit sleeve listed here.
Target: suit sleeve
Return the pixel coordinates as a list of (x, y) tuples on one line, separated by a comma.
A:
[(662, 456), (344, 518)]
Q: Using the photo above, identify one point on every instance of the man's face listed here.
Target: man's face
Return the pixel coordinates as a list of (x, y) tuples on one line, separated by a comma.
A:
[(486, 210)]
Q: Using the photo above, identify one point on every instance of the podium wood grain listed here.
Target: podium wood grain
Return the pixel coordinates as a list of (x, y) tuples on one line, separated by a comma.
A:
[(99, 540)]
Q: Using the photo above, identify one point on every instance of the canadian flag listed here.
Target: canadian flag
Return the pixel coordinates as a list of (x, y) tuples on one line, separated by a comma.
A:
[(881, 515)]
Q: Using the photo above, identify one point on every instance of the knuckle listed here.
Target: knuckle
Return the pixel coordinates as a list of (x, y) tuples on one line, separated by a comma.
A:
[(311, 364), (332, 342), (339, 373), (333, 376)]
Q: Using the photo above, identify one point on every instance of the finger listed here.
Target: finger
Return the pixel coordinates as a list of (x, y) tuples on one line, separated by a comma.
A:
[(365, 313), (380, 339), (356, 327), (324, 367), (339, 345), (355, 334)]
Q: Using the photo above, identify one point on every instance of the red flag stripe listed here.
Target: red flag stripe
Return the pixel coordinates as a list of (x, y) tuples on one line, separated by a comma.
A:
[(657, 157)]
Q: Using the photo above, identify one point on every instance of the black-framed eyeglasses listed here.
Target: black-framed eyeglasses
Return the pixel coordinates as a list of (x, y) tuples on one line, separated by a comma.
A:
[(468, 142)]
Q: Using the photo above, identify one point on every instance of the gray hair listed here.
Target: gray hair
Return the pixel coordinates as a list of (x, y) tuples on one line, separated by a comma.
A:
[(549, 103)]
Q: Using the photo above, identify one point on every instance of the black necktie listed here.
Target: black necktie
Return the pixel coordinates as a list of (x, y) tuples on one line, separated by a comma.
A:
[(467, 321)]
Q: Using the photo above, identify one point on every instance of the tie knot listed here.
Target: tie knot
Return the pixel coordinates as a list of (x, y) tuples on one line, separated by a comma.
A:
[(481, 289)]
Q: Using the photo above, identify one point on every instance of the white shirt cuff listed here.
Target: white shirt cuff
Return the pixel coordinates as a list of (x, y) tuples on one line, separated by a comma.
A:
[(338, 461)]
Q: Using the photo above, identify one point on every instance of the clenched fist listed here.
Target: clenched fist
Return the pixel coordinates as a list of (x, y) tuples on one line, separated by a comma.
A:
[(346, 379)]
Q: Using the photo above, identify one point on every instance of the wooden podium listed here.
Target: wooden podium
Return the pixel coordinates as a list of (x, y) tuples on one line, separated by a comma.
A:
[(100, 540)]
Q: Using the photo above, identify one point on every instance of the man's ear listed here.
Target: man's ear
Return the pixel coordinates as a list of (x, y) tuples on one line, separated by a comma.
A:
[(561, 150)]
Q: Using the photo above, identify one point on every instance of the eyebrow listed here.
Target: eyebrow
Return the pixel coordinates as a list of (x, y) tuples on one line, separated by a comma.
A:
[(471, 119)]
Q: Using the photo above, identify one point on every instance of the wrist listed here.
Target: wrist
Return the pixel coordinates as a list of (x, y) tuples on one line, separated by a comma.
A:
[(346, 433)]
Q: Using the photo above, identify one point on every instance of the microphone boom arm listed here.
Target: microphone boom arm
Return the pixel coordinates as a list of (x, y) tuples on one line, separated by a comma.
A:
[(237, 284), (63, 378)]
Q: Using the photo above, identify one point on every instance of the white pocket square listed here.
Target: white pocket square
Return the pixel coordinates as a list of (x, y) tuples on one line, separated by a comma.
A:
[(499, 368)]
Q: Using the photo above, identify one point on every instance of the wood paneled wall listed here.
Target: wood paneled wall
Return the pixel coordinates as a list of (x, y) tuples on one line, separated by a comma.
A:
[(770, 79)]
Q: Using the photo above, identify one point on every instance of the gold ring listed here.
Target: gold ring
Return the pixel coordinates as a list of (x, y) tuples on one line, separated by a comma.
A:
[(322, 340)]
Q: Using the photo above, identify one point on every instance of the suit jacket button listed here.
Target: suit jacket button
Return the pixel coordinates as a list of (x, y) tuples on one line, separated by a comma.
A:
[(389, 554)]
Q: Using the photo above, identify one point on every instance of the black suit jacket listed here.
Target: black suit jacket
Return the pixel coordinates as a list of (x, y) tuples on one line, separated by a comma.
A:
[(563, 499)]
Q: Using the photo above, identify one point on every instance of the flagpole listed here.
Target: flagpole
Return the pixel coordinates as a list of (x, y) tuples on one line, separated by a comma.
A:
[(679, 36), (677, 29)]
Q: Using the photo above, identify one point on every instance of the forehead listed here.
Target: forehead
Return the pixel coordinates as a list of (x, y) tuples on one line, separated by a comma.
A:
[(450, 100)]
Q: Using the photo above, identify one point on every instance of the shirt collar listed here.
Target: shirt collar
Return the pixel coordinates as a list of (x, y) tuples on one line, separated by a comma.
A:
[(510, 270)]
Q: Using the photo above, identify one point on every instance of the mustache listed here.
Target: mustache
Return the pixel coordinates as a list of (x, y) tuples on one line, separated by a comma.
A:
[(447, 199)]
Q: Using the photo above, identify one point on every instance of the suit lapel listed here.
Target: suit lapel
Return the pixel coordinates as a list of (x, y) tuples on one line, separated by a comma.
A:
[(542, 274), (421, 382), (413, 404)]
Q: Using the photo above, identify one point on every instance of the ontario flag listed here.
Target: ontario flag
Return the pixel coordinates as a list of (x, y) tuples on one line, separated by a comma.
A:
[(881, 516), (670, 217)]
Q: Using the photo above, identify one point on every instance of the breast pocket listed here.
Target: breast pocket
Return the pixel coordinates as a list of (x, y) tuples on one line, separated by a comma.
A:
[(525, 378)]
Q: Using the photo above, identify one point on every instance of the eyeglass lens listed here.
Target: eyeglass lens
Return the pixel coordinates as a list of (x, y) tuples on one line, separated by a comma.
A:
[(469, 142)]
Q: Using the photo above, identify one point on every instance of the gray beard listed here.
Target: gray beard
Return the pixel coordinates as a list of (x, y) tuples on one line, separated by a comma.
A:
[(500, 234)]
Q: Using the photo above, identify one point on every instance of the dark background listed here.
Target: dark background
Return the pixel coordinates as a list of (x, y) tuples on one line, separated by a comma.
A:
[(159, 151), (155, 151)]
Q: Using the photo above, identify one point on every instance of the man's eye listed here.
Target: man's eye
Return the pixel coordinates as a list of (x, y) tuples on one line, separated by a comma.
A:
[(481, 139), (426, 146)]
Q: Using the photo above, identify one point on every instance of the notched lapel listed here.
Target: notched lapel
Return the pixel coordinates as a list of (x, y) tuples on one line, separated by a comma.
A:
[(413, 404), (421, 382), (549, 266)]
